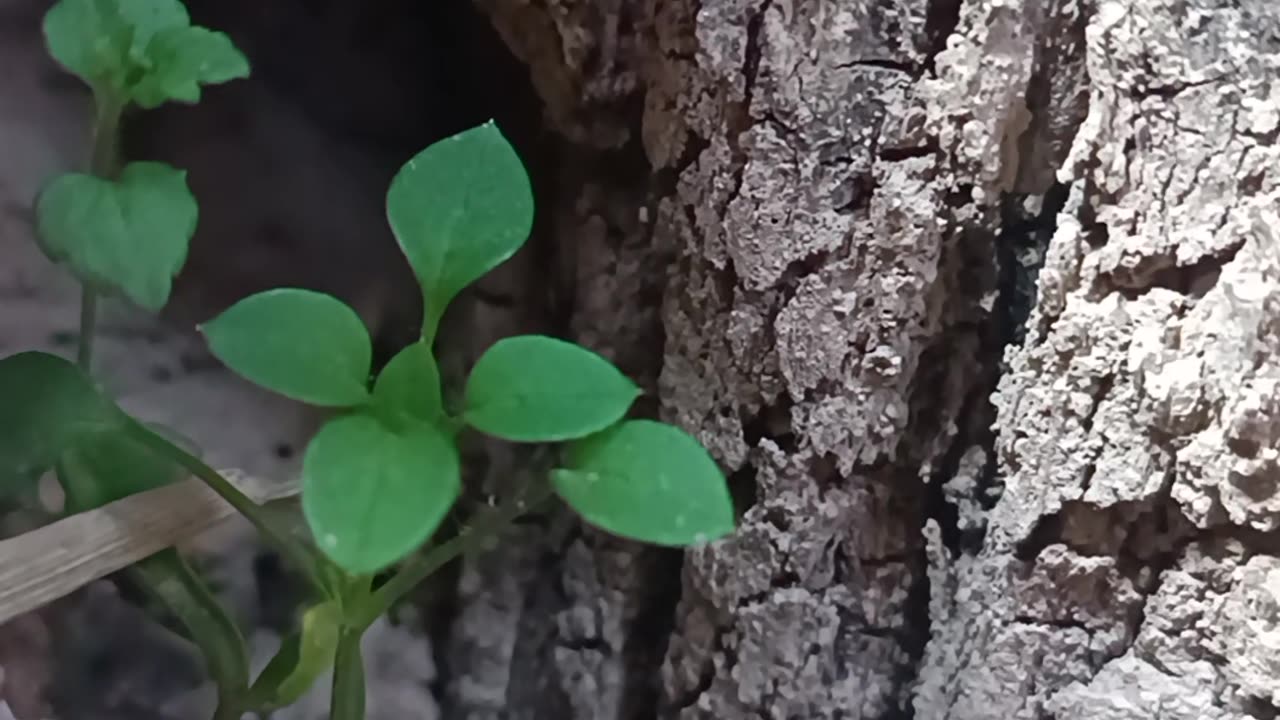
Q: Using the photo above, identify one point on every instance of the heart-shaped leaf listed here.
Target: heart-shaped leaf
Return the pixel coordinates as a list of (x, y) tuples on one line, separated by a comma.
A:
[(372, 495), (302, 344), (148, 17), (408, 388), (47, 405), (144, 51), (129, 236), (183, 59), (647, 481), (533, 388), (459, 209), (104, 41)]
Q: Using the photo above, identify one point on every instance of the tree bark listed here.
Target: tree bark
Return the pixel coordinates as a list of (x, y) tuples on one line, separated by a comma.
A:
[(1127, 570), (979, 304)]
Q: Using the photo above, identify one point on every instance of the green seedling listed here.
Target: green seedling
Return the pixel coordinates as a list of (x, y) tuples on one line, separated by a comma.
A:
[(122, 231), (381, 475)]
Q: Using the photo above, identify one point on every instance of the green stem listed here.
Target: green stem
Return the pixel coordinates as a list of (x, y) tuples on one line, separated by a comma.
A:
[(104, 163), (420, 567), (287, 545), (88, 326), (168, 578), (348, 699), (165, 575), (226, 711)]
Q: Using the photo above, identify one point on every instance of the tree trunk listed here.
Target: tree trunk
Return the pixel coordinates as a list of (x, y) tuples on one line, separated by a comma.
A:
[(979, 304)]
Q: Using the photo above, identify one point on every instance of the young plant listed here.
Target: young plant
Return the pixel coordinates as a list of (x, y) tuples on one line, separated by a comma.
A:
[(122, 231), (382, 474)]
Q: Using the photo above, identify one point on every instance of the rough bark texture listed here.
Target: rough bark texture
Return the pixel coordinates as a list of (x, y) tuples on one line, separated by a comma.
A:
[(977, 300), (847, 213), (1129, 566)]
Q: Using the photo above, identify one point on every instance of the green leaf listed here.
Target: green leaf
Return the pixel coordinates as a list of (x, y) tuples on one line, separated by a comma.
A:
[(148, 17), (140, 50), (372, 495), (409, 386), (459, 209), (533, 388), (304, 345), (104, 41), (183, 59), (107, 466), (303, 656), (47, 405), (88, 38), (647, 481), (129, 236)]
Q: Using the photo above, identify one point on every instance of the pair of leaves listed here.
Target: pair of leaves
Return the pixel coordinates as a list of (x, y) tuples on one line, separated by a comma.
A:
[(313, 348), (128, 236), (376, 481), (375, 488), (640, 479), (141, 51)]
